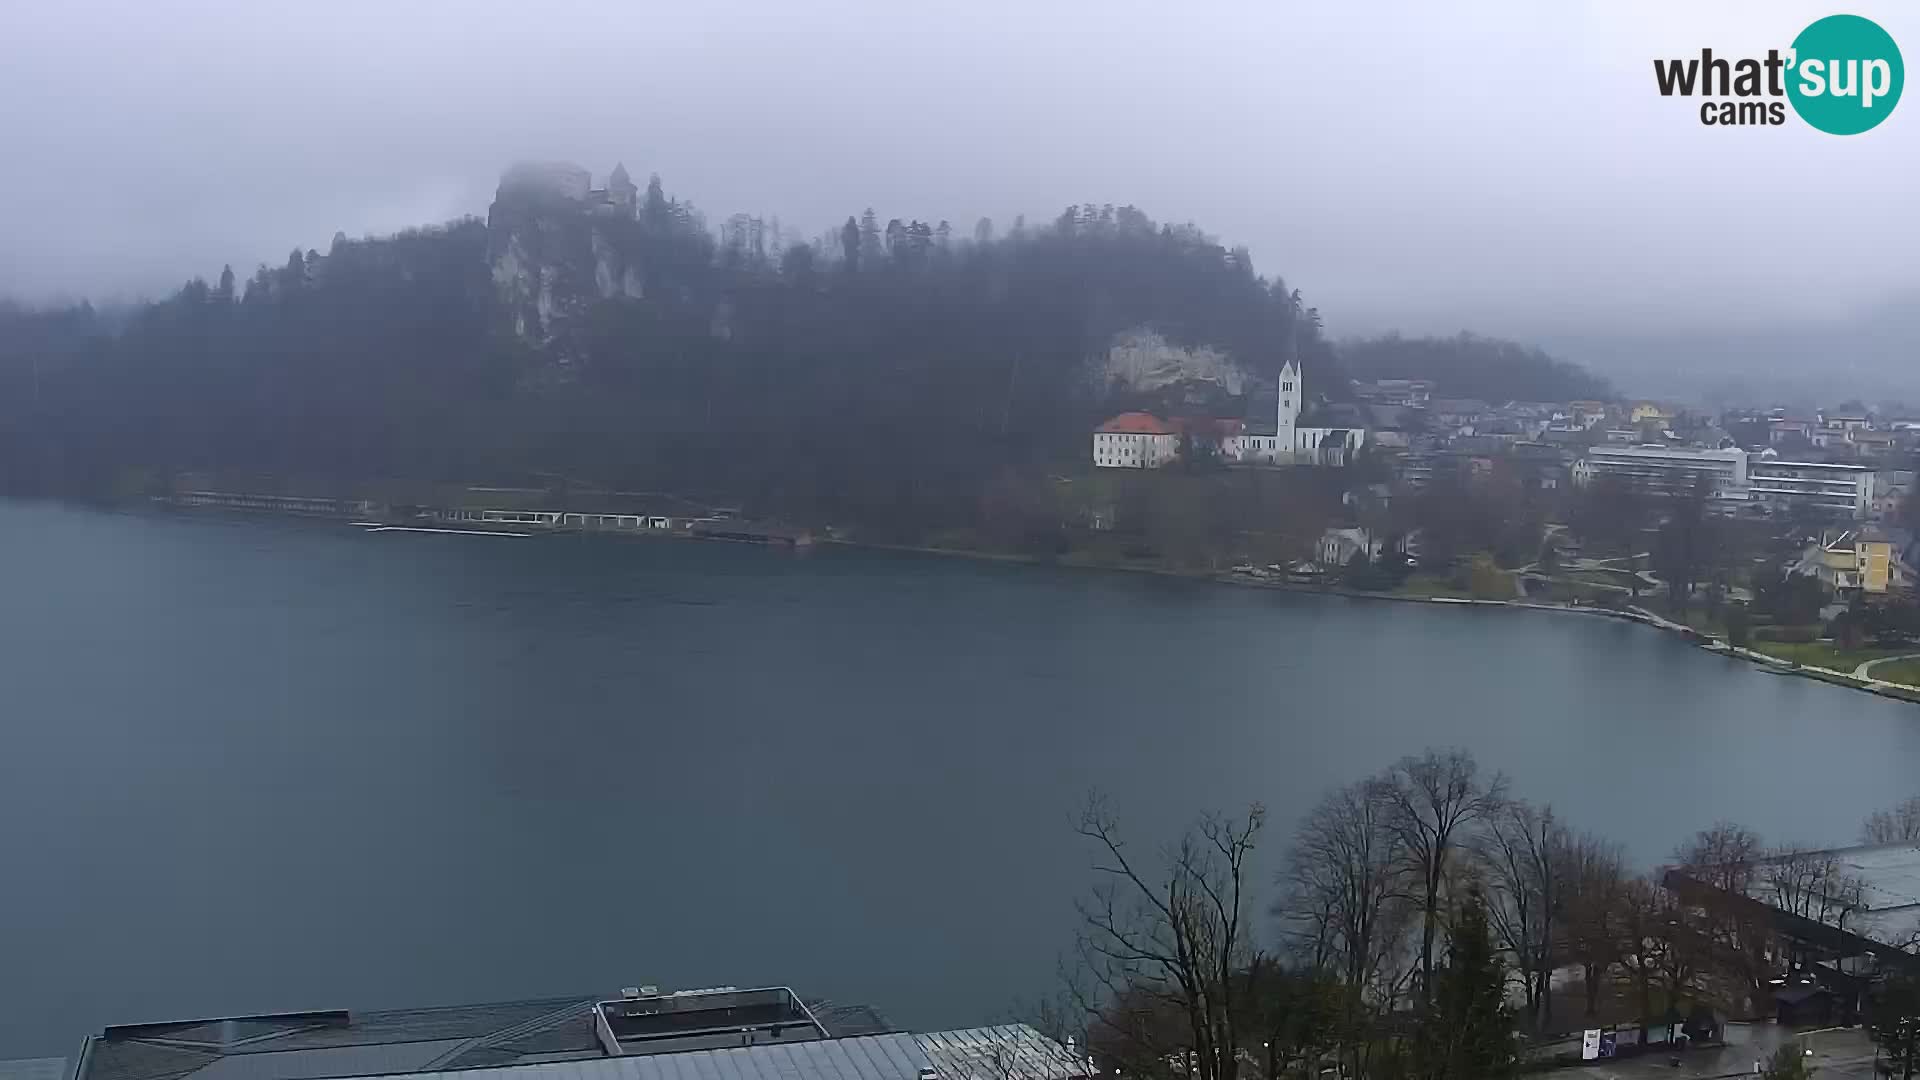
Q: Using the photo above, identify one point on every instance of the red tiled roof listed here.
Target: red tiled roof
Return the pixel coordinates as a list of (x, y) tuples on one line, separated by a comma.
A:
[(1136, 423), (1208, 427)]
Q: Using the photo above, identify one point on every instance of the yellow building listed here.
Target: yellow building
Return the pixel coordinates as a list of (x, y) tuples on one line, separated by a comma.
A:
[(1858, 559), (1647, 410)]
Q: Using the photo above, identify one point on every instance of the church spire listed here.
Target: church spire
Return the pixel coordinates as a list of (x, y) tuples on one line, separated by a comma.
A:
[(1290, 391)]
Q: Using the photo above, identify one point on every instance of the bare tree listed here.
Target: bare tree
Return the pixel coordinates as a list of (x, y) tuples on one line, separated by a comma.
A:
[(1724, 861), (1134, 1031), (1812, 884), (1899, 825), (1520, 847), (1174, 934), (1346, 883), (1434, 800), (1653, 950), (1293, 1011), (1723, 856), (1038, 1041), (1596, 879)]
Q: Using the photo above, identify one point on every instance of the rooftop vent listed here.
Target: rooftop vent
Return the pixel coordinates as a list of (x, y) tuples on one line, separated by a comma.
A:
[(649, 1022)]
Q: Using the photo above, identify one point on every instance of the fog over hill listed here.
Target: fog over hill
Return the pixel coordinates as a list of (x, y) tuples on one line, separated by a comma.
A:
[(1561, 201)]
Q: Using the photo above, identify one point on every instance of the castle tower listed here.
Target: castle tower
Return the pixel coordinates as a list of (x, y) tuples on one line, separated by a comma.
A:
[(1288, 411), (620, 190)]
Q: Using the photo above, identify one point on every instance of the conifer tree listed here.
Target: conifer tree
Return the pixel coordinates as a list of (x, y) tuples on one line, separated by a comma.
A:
[(1467, 1031)]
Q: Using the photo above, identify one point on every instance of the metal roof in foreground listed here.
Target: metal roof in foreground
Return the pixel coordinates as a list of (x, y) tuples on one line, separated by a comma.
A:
[(1010, 1052), (550, 1039)]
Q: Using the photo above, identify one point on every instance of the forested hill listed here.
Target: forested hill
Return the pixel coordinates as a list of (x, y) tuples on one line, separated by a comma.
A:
[(891, 368), (1469, 366)]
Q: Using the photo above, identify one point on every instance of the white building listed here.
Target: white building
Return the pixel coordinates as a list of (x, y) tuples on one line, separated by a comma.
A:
[(1668, 470), (1846, 489), (1735, 476), (1135, 440), (1319, 441), (1257, 449), (1338, 546)]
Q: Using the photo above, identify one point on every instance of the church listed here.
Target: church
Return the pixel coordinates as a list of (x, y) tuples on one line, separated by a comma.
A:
[(1330, 435)]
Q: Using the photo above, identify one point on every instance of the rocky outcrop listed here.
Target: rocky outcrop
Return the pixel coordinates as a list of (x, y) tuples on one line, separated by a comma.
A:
[(1142, 360), (554, 250)]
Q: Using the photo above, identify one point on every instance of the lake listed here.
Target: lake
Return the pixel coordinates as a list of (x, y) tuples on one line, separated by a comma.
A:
[(253, 765)]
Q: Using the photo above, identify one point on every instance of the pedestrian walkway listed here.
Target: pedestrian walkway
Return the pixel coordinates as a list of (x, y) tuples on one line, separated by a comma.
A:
[(1837, 1053), (1861, 671)]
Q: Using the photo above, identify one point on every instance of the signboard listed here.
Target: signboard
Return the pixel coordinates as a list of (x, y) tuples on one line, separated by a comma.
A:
[(1607, 1042), (1590, 1044)]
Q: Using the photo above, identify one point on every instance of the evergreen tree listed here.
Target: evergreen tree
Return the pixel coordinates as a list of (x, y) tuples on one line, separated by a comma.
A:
[(1467, 1031), (797, 264), (225, 290), (1787, 1063), (1895, 1025), (655, 211), (850, 243), (870, 249)]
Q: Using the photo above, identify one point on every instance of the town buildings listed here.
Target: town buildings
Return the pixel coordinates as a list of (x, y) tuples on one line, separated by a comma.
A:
[(1322, 435), (1735, 477), (1757, 462)]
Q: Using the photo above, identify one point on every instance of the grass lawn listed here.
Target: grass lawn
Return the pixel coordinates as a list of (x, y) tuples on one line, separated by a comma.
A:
[(1609, 577), (1900, 671), (1561, 591), (1822, 653), (1892, 692), (1696, 617)]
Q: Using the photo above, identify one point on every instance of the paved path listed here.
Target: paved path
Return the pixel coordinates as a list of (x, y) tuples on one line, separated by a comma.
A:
[(1861, 671), (1837, 1054)]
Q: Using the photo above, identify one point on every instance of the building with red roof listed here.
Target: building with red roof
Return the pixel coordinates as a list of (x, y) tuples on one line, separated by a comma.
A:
[(1135, 440)]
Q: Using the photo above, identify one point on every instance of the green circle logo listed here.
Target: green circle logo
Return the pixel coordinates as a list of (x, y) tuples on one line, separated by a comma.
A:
[(1846, 74)]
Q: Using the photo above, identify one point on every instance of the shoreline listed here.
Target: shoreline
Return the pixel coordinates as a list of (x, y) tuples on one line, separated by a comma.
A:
[(1769, 664)]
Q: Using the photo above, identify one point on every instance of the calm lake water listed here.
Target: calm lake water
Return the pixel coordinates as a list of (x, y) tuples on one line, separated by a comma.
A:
[(259, 765)]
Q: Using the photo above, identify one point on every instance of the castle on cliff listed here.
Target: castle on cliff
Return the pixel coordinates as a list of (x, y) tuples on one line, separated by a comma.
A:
[(547, 180)]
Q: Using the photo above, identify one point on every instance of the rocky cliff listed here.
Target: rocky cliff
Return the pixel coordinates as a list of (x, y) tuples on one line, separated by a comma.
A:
[(555, 247), (1141, 360)]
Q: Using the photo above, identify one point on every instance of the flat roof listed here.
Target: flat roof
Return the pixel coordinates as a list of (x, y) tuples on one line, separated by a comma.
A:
[(1889, 875), (338, 1043), (1688, 452), (548, 1039), (1771, 463)]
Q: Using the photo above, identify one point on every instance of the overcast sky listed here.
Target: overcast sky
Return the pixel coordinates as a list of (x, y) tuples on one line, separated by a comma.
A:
[(1504, 167)]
